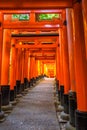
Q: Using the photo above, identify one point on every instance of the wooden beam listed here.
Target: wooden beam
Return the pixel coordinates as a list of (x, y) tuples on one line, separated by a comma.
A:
[(45, 57), (34, 47), (35, 35), (28, 4)]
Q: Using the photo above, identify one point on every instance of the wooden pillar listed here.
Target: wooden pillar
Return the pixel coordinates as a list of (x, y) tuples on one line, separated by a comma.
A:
[(72, 92), (42, 68), (32, 17), (80, 67), (22, 75), (61, 82), (65, 64), (32, 63), (5, 57), (36, 63), (58, 63), (84, 10), (1, 40), (34, 67), (65, 56), (26, 64), (19, 85), (71, 49), (12, 65), (39, 67), (45, 69), (12, 70), (18, 64), (29, 66)]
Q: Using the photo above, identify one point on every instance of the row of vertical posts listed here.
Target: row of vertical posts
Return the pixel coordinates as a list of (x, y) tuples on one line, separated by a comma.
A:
[(9, 98), (72, 64), (18, 72)]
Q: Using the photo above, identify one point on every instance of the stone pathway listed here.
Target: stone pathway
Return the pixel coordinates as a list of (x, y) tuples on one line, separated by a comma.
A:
[(35, 111)]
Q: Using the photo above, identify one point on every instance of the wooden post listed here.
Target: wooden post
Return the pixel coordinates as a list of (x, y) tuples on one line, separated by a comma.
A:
[(61, 82), (72, 92), (5, 57), (18, 64), (12, 64), (58, 63), (22, 76), (84, 8), (80, 67), (65, 55), (26, 64), (1, 40), (65, 63)]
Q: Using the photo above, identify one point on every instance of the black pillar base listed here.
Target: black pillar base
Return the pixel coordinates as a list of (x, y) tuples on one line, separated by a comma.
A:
[(81, 120), (57, 86), (18, 84), (72, 107), (5, 90), (0, 101), (2, 117), (12, 95), (22, 87), (65, 114), (61, 94), (66, 103), (15, 91)]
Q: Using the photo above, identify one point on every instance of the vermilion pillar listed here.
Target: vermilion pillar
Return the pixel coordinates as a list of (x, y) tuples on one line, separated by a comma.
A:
[(5, 57), (18, 69), (36, 64), (29, 66), (12, 71), (84, 8), (18, 64), (65, 63), (12, 65), (61, 82), (58, 63), (1, 40), (72, 92), (5, 69), (57, 67), (69, 16), (65, 56), (32, 63), (32, 17), (26, 64), (22, 60), (39, 67), (34, 67), (42, 68), (80, 67)]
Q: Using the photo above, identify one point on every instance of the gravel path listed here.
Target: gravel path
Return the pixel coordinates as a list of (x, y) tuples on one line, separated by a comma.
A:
[(35, 111)]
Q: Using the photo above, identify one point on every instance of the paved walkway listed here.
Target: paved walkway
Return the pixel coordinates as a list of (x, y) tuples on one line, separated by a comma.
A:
[(35, 111)]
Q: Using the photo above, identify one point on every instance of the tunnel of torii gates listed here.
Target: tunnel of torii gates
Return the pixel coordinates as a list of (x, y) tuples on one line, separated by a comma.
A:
[(56, 48)]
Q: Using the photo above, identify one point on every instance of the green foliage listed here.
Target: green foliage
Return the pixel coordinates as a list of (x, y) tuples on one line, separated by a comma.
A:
[(20, 16), (48, 16), (15, 16)]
